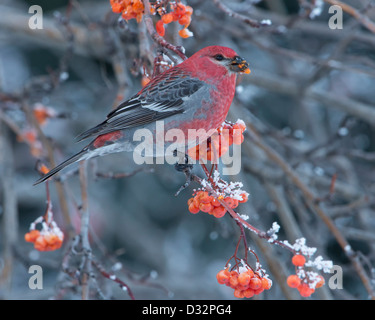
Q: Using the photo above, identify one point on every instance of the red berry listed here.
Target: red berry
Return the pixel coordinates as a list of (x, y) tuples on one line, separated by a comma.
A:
[(167, 18), (244, 198), (248, 293), (250, 272), (205, 207), (233, 279), (244, 279), (238, 293), (255, 283), (304, 290), (320, 283), (293, 281), (160, 28), (223, 276), (298, 260), (266, 283), (219, 212), (258, 291), (232, 203), (215, 202), (193, 209), (184, 20)]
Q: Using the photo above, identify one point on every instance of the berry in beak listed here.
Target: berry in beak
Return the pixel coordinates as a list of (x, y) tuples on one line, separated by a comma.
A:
[(239, 65)]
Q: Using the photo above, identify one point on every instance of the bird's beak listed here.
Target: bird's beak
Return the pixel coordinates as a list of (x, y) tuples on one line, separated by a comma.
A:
[(239, 65)]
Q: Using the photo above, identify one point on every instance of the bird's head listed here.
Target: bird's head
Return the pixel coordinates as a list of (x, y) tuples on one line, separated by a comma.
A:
[(223, 57)]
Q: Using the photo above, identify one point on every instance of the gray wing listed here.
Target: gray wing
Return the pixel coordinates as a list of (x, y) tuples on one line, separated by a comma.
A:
[(162, 97)]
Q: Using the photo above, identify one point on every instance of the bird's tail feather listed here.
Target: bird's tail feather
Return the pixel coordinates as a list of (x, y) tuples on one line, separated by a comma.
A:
[(75, 158)]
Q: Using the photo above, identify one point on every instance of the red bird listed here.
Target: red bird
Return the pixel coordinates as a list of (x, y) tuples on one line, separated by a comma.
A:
[(195, 94)]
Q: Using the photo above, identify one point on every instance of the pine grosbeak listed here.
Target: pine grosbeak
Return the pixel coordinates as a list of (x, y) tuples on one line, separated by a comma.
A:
[(195, 94)]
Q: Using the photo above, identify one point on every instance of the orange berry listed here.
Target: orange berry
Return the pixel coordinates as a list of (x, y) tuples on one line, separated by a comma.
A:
[(139, 17), (215, 202), (232, 203), (293, 281), (205, 207), (250, 272), (320, 283), (202, 194), (255, 283), (144, 81), (42, 113), (238, 138), (248, 293), (196, 202), (179, 10), (239, 126), (244, 198), (40, 244), (160, 28), (167, 18), (126, 15), (238, 293), (193, 209), (43, 169), (138, 6), (233, 279), (298, 260), (304, 290), (117, 7), (219, 212), (244, 279), (184, 20), (188, 10), (186, 33), (258, 291), (32, 235), (266, 283), (223, 276), (206, 200)]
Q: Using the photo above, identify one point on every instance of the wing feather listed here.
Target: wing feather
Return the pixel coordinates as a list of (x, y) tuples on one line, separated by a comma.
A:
[(163, 97)]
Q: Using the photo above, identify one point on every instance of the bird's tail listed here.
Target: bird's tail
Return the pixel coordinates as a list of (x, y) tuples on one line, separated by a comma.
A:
[(75, 158)]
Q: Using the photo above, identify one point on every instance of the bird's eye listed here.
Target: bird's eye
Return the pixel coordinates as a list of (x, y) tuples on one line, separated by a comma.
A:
[(219, 57)]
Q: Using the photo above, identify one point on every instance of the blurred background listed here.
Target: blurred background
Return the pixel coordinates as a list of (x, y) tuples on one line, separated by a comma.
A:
[(309, 98)]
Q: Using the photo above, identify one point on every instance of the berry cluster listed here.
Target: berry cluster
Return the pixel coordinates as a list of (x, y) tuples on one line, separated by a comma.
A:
[(219, 143), (245, 282), (202, 201), (48, 239), (130, 9), (304, 281), (179, 12)]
